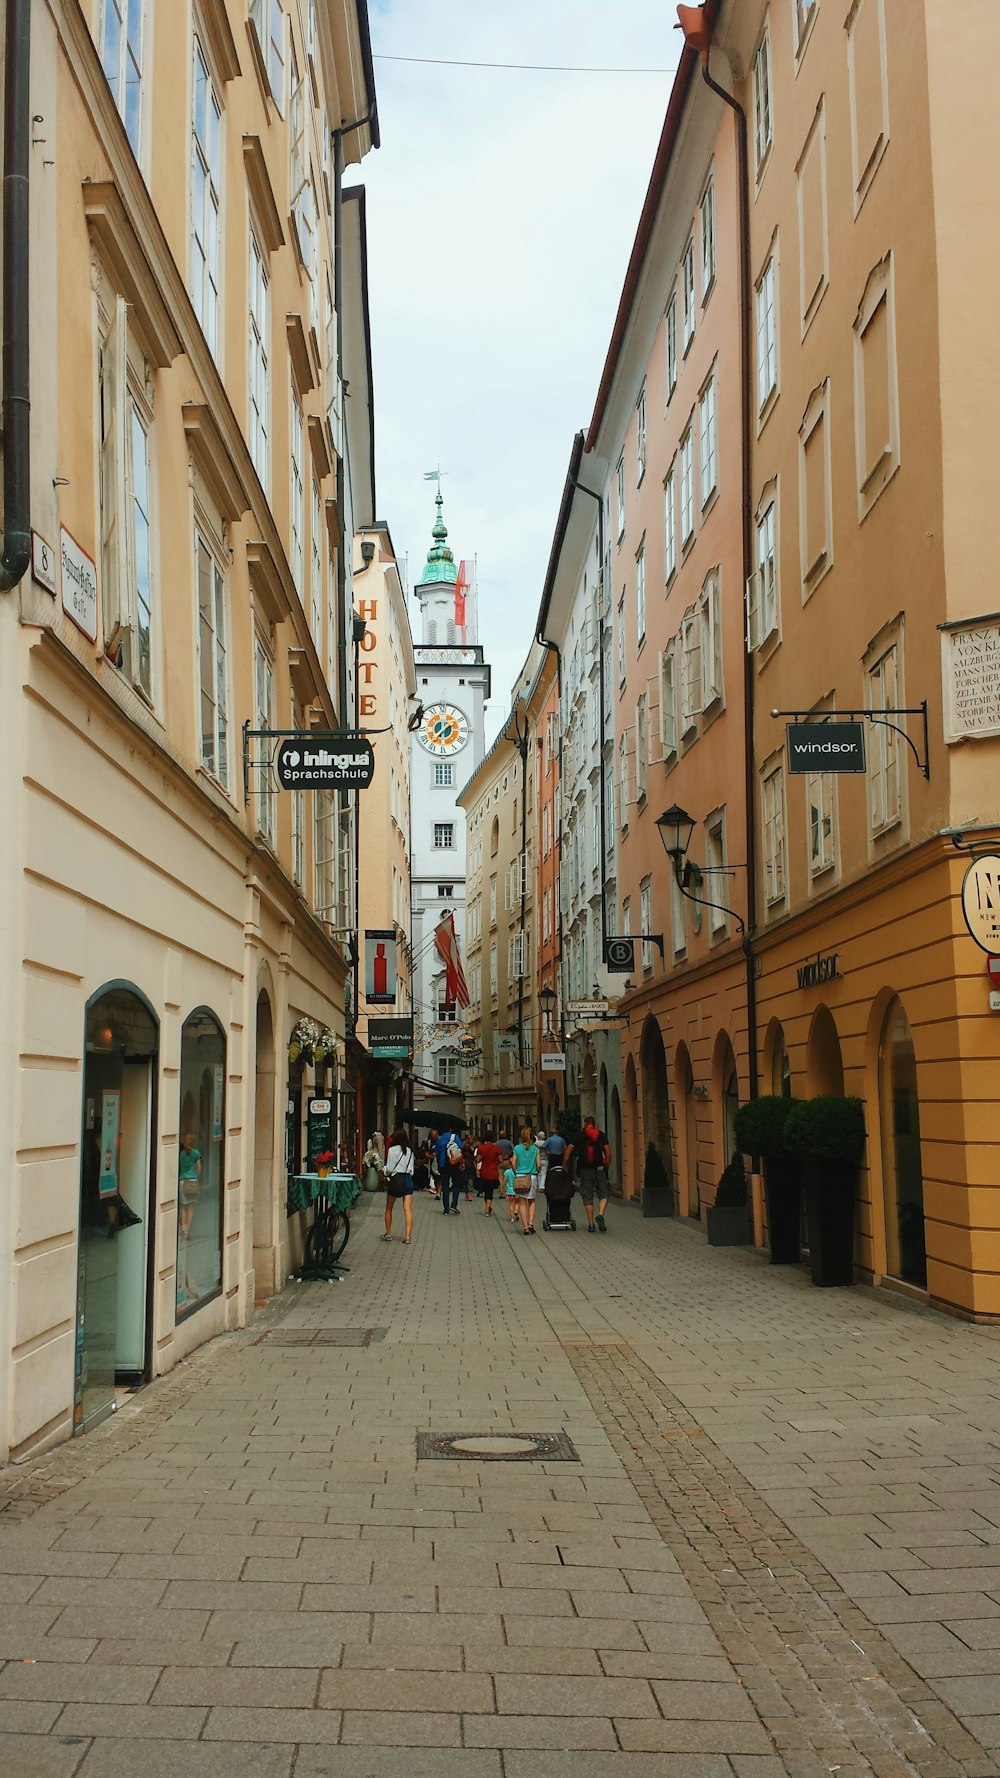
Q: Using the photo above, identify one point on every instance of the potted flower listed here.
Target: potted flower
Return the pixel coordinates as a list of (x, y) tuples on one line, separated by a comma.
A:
[(657, 1191), (760, 1128), (324, 1046), (303, 1041), (829, 1134), (324, 1162), (728, 1223)]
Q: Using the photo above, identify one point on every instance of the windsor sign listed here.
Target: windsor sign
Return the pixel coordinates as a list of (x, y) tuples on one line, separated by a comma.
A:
[(826, 746)]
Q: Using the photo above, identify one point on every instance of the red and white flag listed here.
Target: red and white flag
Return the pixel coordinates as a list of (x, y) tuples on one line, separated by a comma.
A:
[(461, 592), (446, 945)]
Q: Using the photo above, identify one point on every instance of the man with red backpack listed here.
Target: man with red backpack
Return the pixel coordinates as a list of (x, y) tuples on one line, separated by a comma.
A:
[(593, 1157)]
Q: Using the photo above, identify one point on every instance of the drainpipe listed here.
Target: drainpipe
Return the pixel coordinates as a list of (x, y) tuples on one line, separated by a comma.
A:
[(698, 36), (601, 714), (16, 359)]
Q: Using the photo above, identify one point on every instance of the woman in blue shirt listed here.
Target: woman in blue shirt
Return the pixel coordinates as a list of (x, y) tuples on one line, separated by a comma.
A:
[(526, 1178)]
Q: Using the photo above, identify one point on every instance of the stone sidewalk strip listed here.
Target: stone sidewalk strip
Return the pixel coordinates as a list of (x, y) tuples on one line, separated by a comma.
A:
[(778, 1555)]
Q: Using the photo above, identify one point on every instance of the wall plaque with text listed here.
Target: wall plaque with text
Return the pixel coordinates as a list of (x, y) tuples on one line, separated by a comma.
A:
[(970, 664)]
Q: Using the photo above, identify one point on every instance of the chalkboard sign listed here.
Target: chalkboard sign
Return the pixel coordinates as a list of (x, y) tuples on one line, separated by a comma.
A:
[(319, 1129)]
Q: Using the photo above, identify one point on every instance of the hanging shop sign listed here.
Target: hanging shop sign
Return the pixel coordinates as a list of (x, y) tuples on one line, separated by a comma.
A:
[(826, 746), (981, 901), (380, 968), (319, 1129), (820, 969), (619, 956), (588, 1009), (554, 1062), (390, 1039), (505, 1046), (325, 760), (79, 585), (470, 1058)]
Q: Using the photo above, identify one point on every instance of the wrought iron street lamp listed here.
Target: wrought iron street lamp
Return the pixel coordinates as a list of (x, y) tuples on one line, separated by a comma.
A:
[(546, 1000), (676, 828)]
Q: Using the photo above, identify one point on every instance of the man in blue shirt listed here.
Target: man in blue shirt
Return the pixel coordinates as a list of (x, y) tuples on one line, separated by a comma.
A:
[(451, 1173)]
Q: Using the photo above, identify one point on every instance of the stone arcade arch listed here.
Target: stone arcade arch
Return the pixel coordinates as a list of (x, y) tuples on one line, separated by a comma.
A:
[(689, 1194), (634, 1133), (655, 1095), (824, 1064), (615, 1138), (902, 1166)]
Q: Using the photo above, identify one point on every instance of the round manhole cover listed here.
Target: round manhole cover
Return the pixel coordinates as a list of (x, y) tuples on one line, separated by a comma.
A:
[(494, 1446)]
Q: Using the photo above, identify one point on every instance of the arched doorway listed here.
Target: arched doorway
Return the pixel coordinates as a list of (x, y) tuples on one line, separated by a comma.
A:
[(615, 1138), (902, 1169), (777, 1066), (264, 1239), (603, 1110), (116, 1255), (824, 1066), (655, 1095), (726, 1094), (690, 1192), (634, 1182)]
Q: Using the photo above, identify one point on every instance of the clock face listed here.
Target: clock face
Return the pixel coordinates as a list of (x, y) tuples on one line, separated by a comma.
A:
[(443, 730)]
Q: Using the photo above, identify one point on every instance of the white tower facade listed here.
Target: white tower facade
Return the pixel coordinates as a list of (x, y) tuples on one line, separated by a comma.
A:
[(453, 683)]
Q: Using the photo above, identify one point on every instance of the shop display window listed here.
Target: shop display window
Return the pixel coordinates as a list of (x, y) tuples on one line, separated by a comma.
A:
[(200, 1158)]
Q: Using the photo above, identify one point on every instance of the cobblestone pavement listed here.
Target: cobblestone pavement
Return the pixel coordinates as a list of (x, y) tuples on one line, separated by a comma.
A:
[(778, 1555)]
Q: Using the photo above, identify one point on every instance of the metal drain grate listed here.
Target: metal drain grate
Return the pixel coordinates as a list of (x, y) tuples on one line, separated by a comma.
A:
[(497, 1447), (326, 1336)]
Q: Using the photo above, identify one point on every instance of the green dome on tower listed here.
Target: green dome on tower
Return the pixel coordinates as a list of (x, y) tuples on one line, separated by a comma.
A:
[(440, 565)]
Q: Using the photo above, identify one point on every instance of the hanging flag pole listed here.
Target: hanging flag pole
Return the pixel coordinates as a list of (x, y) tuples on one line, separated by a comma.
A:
[(447, 947)]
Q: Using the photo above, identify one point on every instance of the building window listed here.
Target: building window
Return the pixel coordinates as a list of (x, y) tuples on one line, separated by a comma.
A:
[(126, 517), (297, 507), (640, 435), (672, 344), (691, 688), (205, 199), (710, 614), (620, 496), (707, 208), (297, 161), (762, 597), (640, 594), (767, 335), (646, 921), (298, 837), (885, 789), (264, 716), (688, 294), (772, 799), (121, 59), (448, 1070), (815, 491), (201, 1178), (762, 100), (444, 775), (444, 836), (715, 862), (493, 970), (324, 853), (493, 901), (213, 674), (866, 67), (668, 705), (709, 443), (820, 809), (805, 12), (669, 528), (814, 251), (258, 387), (268, 19), (641, 747), (687, 486), (621, 640), (446, 891)]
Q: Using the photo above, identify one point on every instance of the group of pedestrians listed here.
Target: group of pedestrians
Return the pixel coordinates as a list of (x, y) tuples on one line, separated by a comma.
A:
[(449, 1165)]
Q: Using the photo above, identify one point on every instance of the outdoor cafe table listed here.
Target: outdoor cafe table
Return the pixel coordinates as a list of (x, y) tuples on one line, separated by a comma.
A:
[(332, 1194)]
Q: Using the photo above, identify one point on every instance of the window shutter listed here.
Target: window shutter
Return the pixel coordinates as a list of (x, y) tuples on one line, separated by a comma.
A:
[(114, 514), (753, 612)]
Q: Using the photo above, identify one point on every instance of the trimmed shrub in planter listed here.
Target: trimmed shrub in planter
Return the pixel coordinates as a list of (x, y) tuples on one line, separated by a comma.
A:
[(657, 1191), (728, 1224), (760, 1127), (829, 1134)]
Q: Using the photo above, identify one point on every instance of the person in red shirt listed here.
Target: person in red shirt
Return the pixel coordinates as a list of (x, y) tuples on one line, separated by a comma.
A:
[(488, 1158), (593, 1157)]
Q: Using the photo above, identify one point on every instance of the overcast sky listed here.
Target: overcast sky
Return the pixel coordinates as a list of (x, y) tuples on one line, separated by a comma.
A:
[(501, 212)]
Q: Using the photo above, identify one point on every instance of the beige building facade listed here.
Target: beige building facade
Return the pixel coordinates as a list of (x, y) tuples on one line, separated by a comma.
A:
[(171, 916)]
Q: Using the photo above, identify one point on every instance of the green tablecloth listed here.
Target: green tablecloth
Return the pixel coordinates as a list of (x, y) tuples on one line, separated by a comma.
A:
[(340, 1189)]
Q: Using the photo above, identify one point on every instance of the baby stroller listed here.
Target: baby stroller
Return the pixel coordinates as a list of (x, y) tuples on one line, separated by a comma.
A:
[(559, 1189)]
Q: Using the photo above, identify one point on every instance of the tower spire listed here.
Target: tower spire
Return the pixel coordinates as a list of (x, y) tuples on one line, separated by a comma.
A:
[(440, 565)]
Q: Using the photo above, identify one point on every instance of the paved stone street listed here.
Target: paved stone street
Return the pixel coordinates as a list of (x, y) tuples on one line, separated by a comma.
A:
[(778, 1553)]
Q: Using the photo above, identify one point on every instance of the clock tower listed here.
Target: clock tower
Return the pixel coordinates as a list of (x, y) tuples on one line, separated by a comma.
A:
[(453, 683)]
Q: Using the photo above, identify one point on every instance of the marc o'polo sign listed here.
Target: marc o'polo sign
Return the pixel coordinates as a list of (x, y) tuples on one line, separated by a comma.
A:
[(826, 746), (325, 762), (981, 901)]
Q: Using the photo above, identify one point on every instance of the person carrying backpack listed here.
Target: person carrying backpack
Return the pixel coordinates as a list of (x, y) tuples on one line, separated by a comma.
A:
[(593, 1156), (449, 1148)]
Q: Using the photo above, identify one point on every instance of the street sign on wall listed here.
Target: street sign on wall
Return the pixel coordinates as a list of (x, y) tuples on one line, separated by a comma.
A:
[(826, 746)]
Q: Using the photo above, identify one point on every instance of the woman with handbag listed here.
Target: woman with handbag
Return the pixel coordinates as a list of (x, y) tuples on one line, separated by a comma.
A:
[(399, 1167), (526, 1179)]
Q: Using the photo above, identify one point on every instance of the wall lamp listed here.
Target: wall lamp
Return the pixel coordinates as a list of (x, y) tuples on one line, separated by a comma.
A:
[(367, 552), (546, 1000), (676, 828)]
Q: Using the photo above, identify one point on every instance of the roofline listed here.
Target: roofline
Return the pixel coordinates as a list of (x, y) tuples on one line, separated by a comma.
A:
[(662, 162), (355, 194), (559, 535), (368, 69)]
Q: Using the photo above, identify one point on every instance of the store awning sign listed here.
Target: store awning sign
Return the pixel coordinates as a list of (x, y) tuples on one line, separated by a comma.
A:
[(981, 901), (325, 762), (390, 1039), (826, 746)]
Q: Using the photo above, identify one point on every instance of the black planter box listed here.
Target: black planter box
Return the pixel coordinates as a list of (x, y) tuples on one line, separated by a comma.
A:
[(830, 1190), (728, 1226), (658, 1200), (783, 1191)]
